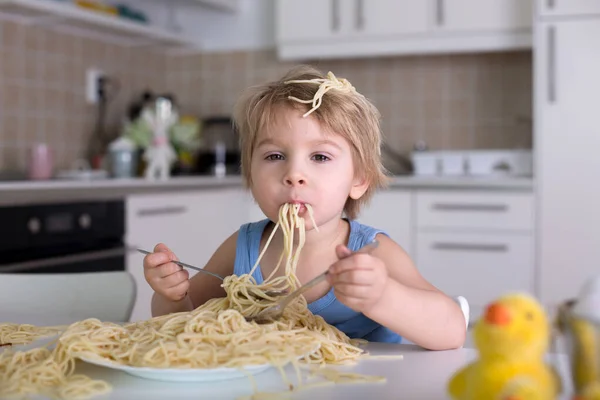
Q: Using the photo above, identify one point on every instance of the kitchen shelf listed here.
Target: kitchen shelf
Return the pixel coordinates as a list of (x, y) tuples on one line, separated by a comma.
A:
[(69, 18)]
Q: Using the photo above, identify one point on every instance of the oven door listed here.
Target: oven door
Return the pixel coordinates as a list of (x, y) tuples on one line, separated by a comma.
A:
[(63, 238)]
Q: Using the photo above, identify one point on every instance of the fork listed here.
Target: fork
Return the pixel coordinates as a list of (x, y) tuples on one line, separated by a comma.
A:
[(271, 293), (275, 312)]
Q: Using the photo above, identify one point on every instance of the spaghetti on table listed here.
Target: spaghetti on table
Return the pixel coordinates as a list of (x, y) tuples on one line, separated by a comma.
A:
[(213, 335)]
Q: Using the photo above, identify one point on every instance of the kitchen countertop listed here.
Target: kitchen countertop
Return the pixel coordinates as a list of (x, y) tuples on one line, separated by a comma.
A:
[(21, 192)]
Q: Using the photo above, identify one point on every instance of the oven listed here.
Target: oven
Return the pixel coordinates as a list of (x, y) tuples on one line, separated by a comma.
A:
[(69, 237)]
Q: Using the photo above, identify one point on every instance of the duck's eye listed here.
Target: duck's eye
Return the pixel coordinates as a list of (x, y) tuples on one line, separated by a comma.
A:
[(529, 316)]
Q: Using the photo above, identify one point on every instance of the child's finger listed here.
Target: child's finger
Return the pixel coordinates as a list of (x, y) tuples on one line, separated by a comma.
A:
[(353, 291), (360, 277), (162, 248), (168, 269), (156, 259), (178, 292), (175, 279), (355, 261)]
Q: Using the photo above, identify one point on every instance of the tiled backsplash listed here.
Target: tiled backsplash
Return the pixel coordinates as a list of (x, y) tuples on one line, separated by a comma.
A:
[(450, 102), (42, 90), (453, 101)]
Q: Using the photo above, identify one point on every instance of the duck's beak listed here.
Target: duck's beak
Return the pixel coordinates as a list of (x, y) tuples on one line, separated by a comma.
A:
[(497, 314)]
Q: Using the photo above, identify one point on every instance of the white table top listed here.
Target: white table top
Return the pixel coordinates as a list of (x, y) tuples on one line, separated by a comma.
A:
[(420, 374)]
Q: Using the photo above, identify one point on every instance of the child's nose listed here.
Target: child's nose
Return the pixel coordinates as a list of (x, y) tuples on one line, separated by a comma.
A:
[(295, 179)]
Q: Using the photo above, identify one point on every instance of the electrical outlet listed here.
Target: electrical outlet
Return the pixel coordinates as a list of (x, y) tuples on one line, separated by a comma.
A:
[(92, 85)]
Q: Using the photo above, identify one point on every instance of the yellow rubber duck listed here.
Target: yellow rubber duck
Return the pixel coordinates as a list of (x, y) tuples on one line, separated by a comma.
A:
[(512, 338)]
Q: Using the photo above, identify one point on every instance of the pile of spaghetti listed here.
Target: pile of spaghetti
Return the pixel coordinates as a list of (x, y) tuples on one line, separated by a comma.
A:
[(216, 334)]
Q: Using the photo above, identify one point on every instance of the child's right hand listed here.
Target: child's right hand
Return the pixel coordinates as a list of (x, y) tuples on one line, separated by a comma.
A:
[(165, 277)]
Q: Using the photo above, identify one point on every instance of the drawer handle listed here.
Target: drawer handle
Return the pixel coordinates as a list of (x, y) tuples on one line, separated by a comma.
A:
[(471, 207), (148, 212), (492, 248), (440, 12), (335, 15), (360, 15)]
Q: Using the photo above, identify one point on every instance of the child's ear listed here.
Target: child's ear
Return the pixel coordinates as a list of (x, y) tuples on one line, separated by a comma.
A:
[(359, 187)]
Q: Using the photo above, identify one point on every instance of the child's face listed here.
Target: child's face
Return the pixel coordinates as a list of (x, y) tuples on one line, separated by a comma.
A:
[(296, 161)]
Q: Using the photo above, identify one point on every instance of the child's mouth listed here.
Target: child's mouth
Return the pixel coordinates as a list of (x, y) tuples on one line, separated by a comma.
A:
[(305, 211), (300, 206)]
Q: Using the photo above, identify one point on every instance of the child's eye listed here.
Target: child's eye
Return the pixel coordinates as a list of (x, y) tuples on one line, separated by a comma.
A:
[(320, 158), (274, 157)]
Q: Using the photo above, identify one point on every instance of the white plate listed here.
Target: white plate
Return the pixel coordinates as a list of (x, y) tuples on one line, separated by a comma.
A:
[(187, 374), (183, 374)]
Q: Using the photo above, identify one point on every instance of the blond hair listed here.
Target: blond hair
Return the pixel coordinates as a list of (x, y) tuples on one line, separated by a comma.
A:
[(338, 108)]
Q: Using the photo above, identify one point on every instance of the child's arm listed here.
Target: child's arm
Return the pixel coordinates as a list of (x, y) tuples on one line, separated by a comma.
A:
[(201, 287), (413, 307), (387, 288)]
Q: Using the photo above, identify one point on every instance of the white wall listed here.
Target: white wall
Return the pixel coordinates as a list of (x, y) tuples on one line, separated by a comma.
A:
[(252, 27)]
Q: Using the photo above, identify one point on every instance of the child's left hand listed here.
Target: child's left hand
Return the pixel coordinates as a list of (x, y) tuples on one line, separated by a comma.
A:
[(358, 279)]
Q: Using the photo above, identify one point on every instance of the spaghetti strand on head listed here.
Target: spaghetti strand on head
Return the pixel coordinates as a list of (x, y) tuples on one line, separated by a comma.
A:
[(325, 85)]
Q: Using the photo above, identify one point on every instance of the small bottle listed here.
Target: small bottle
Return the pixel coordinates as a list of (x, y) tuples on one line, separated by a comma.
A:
[(40, 162)]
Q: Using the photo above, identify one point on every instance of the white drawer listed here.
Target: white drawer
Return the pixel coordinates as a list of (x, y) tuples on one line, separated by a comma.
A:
[(479, 267), (161, 206), (475, 210), (192, 224), (167, 218), (155, 218), (391, 211)]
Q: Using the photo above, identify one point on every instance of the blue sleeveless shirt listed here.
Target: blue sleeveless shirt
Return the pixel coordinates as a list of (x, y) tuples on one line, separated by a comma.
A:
[(354, 324)]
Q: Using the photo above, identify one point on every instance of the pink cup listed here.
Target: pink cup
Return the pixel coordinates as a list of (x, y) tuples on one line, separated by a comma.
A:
[(40, 162)]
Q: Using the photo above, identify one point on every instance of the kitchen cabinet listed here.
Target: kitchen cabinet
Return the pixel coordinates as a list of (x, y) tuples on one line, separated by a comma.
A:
[(568, 7), (342, 19), (483, 16), (475, 244), (306, 20), (377, 18), (474, 210), (480, 266), (391, 211), (567, 140), (362, 28), (192, 224)]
